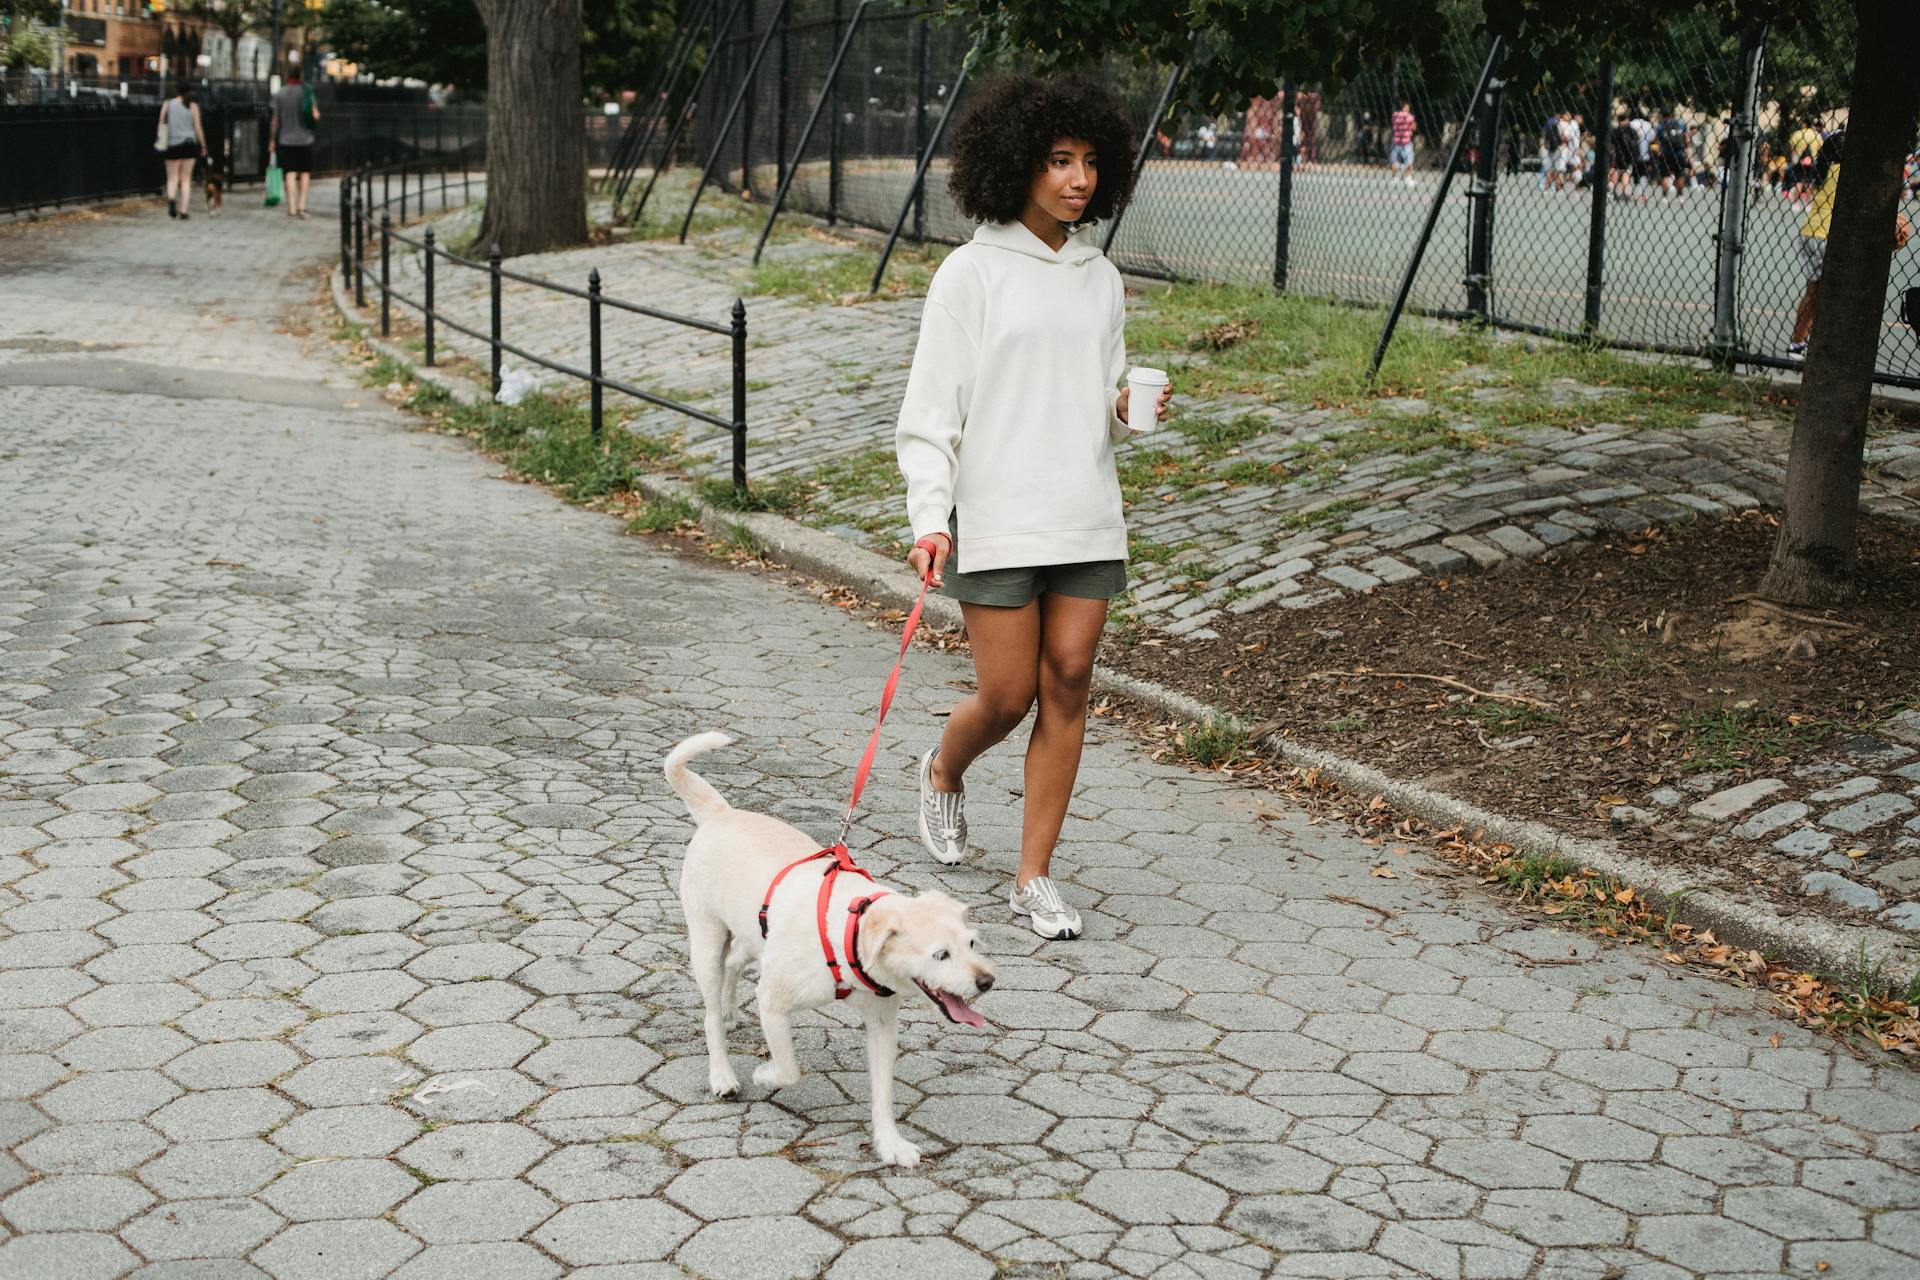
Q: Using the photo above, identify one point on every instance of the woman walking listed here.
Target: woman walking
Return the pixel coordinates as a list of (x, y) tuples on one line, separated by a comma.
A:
[(186, 142), (1006, 439)]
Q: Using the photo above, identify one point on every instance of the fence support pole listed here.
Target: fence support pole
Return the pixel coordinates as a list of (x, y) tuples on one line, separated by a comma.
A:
[(920, 171), (780, 111), (386, 308), (923, 58), (360, 242), (663, 100), (1283, 212), (1725, 344), (832, 97), (346, 224), (593, 344), (493, 300), (680, 121), (1141, 152), (1602, 192), (429, 296), (404, 176), (726, 125), (1486, 180), (822, 103), (739, 396), (1433, 215), (748, 103)]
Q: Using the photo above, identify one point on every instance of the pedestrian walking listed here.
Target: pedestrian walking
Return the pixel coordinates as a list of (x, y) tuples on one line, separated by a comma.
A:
[(1622, 149), (1006, 440), (295, 117), (1825, 181), (182, 141), (1400, 130)]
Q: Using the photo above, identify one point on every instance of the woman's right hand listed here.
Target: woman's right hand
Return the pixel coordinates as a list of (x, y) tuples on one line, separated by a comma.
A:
[(930, 555)]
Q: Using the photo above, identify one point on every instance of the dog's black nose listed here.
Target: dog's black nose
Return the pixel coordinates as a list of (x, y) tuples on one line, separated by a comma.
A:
[(985, 983)]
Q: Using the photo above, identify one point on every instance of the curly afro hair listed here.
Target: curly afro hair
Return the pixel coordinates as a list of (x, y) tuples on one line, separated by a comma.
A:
[(1010, 127)]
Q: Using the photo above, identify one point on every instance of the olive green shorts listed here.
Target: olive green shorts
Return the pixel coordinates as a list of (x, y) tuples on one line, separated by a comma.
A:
[(1014, 588)]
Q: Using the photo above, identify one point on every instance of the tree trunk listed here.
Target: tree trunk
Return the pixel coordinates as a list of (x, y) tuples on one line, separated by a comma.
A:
[(536, 137), (1814, 554)]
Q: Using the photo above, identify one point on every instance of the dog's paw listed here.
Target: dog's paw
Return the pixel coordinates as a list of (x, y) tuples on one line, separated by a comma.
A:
[(730, 1019), (723, 1082), (769, 1076), (896, 1150)]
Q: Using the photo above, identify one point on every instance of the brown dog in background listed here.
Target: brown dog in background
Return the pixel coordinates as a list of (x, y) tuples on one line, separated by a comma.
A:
[(214, 194)]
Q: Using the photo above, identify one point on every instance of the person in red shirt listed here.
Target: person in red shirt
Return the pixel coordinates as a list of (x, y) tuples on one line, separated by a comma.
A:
[(1400, 130)]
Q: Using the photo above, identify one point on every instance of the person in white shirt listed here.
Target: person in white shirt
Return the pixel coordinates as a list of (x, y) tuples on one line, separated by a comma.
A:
[(1006, 438)]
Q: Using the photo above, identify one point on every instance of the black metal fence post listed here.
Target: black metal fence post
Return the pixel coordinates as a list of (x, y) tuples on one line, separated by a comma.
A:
[(404, 176), (346, 224), (1140, 153), (739, 396), (920, 172), (833, 117), (1602, 192), (1486, 176), (923, 57), (1283, 213), (1433, 216), (361, 194), (493, 294), (746, 122), (386, 187), (386, 228), (1726, 342), (780, 109), (429, 295), (593, 344)]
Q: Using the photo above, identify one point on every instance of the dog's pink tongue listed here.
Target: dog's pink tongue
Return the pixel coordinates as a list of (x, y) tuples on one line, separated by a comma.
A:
[(957, 1009)]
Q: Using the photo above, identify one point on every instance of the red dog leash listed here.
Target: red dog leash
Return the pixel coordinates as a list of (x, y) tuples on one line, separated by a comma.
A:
[(838, 858)]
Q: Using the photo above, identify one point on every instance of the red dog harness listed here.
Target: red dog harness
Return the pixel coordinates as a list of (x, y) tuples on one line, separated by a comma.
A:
[(838, 858)]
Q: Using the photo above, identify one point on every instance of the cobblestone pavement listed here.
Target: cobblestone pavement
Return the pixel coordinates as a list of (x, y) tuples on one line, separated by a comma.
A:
[(337, 937)]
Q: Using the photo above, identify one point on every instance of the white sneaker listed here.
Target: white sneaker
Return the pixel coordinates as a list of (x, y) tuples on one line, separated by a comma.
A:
[(943, 816), (1052, 918)]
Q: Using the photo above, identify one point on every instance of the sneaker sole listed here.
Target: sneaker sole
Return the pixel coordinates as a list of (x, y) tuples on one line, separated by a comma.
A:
[(1065, 935), (926, 833)]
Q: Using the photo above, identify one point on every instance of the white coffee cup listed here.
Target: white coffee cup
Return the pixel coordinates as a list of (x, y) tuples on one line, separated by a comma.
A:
[(1144, 386)]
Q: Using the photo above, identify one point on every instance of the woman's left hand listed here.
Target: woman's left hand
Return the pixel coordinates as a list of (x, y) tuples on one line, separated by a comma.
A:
[(1160, 409)]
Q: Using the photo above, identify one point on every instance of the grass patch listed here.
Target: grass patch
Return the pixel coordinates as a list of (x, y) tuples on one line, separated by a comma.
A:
[(843, 277), (785, 495), (1285, 347), (551, 441), (386, 370), (1506, 717), (428, 397), (1740, 736), (662, 515), (1210, 743)]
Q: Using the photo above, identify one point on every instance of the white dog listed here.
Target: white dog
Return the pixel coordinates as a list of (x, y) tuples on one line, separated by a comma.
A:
[(879, 946)]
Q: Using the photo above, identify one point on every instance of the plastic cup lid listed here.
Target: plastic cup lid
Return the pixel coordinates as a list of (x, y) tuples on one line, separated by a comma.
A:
[(1141, 373)]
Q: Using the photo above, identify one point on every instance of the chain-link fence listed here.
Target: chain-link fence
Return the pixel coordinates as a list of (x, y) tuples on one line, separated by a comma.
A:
[(1666, 200)]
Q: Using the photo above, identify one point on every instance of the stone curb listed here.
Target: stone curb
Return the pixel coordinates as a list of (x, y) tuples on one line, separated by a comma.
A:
[(1812, 944)]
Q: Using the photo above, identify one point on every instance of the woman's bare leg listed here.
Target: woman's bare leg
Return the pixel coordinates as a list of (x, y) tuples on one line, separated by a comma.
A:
[(1006, 666), (1069, 636)]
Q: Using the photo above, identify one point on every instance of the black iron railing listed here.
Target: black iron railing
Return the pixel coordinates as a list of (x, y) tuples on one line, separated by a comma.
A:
[(367, 226)]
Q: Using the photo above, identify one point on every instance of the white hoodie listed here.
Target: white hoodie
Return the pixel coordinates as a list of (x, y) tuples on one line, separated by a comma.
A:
[(1008, 418)]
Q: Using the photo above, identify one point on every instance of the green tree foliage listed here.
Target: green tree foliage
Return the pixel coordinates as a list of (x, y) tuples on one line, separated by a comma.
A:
[(439, 41), (445, 42), (624, 40), (32, 47), (232, 18)]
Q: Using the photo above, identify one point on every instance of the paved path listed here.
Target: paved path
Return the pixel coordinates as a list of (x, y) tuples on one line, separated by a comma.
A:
[(337, 938)]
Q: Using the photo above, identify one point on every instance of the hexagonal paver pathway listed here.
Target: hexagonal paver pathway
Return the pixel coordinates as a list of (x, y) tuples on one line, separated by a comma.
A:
[(338, 934)]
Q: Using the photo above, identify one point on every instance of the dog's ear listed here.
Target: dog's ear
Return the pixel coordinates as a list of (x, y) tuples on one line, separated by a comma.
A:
[(883, 922)]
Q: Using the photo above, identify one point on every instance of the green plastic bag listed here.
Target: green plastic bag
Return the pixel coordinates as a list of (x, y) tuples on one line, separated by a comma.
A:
[(276, 185)]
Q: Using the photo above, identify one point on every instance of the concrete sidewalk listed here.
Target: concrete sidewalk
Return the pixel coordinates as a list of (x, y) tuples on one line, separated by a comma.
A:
[(338, 937)]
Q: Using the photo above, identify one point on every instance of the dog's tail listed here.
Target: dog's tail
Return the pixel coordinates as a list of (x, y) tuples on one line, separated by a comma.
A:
[(703, 802)]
